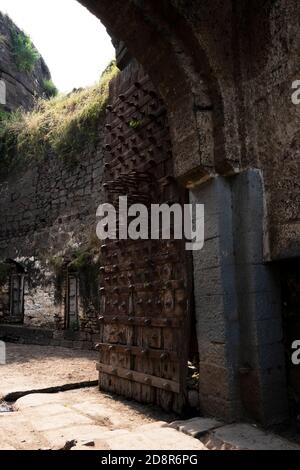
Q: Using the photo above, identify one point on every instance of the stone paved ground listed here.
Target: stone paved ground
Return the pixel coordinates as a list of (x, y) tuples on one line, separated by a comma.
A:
[(88, 419), (36, 367), (49, 421)]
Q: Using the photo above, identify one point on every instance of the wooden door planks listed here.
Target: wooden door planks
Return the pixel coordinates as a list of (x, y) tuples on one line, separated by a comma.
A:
[(144, 313)]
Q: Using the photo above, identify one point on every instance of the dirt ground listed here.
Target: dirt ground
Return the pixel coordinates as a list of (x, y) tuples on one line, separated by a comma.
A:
[(31, 367), (43, 420)]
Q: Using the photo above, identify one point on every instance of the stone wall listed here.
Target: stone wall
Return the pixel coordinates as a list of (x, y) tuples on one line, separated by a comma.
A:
[(48, 220), (251, 51), (50, 207), (225, 70), (238, 305), (269, 55), (22, 88)]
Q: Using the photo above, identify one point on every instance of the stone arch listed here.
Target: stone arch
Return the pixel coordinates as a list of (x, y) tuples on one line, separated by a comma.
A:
[(179, 66), (194, 76), (192, 73), (195, 63)]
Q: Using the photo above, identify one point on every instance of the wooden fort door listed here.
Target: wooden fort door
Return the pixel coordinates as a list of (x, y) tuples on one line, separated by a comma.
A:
[(144, 290)]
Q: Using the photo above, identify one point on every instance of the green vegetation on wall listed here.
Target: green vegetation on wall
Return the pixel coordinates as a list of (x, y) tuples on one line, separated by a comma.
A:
[(134, 124), (85, 264), (4, 116), (8, 153), (57, 264), (50, 89), (25, 54), (64, 126)]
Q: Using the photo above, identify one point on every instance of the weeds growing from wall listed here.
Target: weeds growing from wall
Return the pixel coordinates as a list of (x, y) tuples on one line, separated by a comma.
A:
[(63, 126), (85, 264), (4, 116), (50, 89), (25, 54), (8, 142), (58, 266)]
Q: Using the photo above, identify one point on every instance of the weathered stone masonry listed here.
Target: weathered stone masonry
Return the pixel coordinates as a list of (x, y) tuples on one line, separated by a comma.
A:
[(47, 221), (224, 70), (22, 88)]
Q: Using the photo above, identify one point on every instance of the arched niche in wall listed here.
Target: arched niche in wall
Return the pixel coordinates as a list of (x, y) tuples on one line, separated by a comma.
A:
[(17, 275)]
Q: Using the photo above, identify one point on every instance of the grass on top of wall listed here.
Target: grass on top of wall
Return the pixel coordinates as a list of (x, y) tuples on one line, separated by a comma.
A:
[(64, 125), (25, 54), (50, 89)]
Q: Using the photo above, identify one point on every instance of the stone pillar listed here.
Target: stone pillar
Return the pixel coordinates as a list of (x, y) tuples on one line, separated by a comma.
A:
[(216, 303), (237, 301)]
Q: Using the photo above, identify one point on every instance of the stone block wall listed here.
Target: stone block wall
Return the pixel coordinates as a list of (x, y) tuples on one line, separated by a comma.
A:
[(47, 220), (216, 302), (269, 60), (225, 70), (238, 305)]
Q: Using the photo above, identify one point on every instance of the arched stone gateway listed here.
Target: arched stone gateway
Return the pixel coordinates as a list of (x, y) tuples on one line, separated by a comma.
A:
[(202, 110), (218, 87)]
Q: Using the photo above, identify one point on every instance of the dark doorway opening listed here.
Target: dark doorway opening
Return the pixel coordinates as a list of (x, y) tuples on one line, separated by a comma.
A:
[(290, 278), (17, 298)]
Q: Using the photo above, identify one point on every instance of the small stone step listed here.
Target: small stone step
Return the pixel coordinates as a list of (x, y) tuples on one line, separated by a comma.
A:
[(154, 438), (196, 427)]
